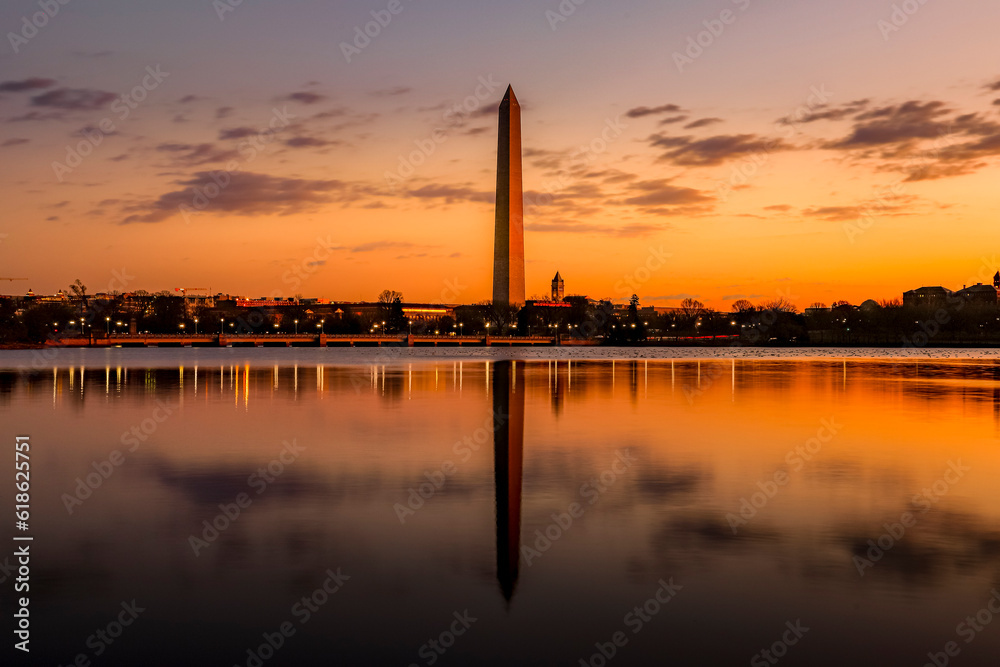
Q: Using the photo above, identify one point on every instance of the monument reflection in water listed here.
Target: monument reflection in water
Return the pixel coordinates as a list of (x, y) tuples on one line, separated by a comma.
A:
[(417, 511)]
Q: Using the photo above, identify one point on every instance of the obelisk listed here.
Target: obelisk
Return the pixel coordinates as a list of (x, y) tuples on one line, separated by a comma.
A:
[(508, 245)]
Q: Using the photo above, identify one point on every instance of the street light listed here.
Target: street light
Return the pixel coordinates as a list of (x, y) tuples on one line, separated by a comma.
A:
[(322, 326), (410, 323), (222, 325), (296, 327), (107, 321), (196, 326)]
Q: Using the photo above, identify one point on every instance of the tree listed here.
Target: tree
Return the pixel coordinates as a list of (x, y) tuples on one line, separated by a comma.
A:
[(692, 308), (396, 320), (387, 296), (79, 292), (742, 306), (817, 304)]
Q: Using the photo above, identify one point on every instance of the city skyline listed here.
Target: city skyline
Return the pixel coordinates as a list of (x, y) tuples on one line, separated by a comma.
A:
[(380, 173)]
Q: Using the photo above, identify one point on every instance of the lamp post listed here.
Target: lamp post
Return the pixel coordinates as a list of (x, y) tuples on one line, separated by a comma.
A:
[(410, 323), (222, 325), (322, 326), (107, 322), (196, 326), (461, 328), (296, 327)]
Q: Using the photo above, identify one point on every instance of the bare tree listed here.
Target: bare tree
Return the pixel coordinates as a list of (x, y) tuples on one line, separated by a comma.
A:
[(692, 308), (388, 296), (779, 305), (742, 306)]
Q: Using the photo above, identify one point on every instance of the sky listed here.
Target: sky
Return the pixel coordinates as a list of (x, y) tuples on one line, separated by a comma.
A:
[(756, 149)]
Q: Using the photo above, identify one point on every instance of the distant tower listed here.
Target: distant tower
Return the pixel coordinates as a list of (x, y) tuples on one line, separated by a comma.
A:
[(558, 288), (508, 244), (996, 281)]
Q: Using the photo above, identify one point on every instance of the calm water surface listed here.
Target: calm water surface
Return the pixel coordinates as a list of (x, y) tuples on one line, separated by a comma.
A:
[(524, 511)]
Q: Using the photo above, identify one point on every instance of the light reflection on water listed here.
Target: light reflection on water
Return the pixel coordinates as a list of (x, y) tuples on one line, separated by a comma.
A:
[(651, 459)]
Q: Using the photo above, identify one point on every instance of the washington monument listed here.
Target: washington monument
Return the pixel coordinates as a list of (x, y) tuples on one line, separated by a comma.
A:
[(508, 245)]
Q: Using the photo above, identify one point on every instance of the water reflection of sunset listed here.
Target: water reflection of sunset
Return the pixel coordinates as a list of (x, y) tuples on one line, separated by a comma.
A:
[(706, 436)]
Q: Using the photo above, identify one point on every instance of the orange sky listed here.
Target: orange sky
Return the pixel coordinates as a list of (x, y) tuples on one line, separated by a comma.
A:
[(899, 124)]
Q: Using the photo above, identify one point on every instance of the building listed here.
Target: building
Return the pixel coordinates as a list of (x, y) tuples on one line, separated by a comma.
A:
[(508, 244), (926, 296), (558, 288), (978, 294)]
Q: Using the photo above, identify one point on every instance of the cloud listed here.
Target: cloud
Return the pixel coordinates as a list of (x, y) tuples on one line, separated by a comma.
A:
[(32, 116), (16, 141), (826, 112), (630, 230), (896, 124), (673, 119), (305, 97), (74, 99), (223, 112), (33, 83), (926, 140), (671, 297), (248, 193), (380, 245), (453, 193), (196, 154), (642, 112), (307, 142), (778, 208), (734, 297), (391, 92), (237, 133), (661, 193), (188, 99), (702, 122), (688, 152)]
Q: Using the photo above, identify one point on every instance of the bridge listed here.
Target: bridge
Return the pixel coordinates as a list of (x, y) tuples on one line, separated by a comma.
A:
[(300, 340)]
